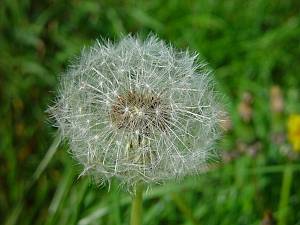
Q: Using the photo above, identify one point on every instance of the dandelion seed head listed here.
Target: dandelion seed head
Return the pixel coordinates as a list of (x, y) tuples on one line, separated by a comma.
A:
[(137, 110)]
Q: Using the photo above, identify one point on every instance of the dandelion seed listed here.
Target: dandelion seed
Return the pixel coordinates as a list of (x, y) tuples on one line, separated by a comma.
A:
[(138, 110)]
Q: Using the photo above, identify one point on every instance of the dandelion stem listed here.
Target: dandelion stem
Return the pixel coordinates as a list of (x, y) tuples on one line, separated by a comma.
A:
[(137, 206)]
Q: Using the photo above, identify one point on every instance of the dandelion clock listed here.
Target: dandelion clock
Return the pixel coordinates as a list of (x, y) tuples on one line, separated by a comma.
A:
[(140, 111)]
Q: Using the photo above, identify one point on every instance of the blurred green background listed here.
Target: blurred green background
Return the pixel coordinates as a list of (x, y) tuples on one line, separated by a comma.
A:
[(254, 48)]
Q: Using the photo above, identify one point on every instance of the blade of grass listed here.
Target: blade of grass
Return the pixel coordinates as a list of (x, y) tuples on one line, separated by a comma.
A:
[(60, 194), (184, 208), (77, 197), (93, 216), (12, 219), (283, 210), (153, 214), (47, 158)]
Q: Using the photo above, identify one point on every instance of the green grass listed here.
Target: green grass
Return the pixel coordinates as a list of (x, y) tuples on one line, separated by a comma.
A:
[(251, 45)]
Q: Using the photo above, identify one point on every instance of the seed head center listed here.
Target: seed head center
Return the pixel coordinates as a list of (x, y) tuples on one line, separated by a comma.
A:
[(145, 112)]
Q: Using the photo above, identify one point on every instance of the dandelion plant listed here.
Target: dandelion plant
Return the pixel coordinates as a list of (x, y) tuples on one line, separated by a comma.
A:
[(140, 111)]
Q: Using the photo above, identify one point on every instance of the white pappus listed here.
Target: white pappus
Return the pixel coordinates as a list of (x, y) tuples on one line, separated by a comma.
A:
[(138, 110)]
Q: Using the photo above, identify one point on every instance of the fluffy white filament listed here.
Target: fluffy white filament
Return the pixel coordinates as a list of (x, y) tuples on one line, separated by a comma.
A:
[(138, 110)]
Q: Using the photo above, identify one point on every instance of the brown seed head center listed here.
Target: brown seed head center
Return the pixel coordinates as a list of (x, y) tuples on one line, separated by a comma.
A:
[(140, 112)]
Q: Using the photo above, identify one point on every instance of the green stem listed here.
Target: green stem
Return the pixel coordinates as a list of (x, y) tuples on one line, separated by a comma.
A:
[(137, 206)]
